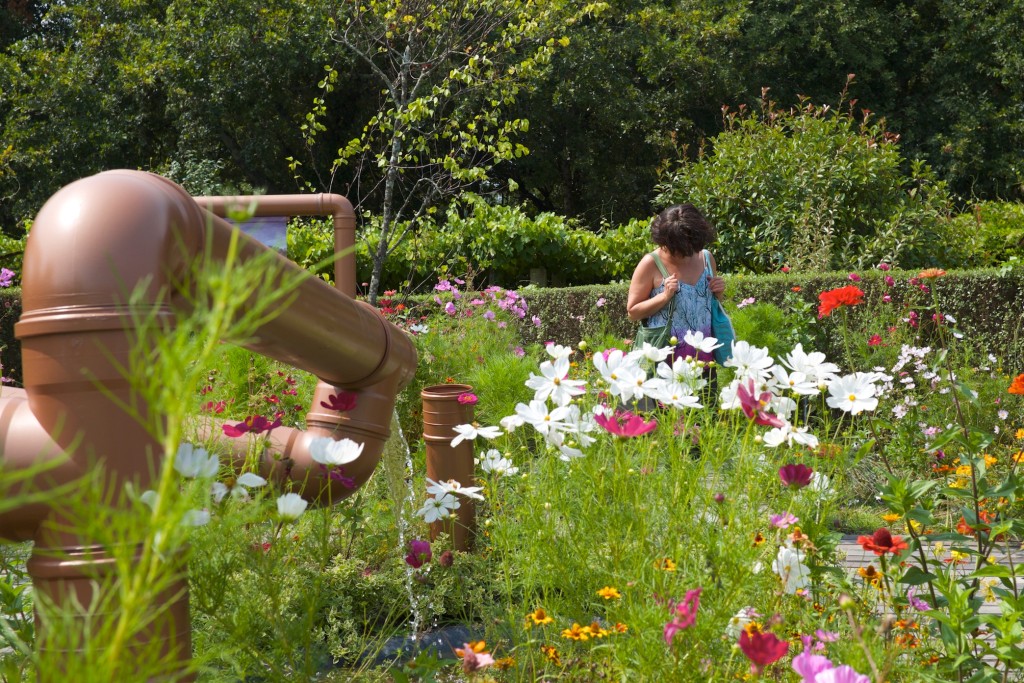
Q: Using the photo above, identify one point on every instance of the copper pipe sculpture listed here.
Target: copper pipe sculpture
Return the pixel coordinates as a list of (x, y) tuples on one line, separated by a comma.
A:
[(442, 411), (94, 242)]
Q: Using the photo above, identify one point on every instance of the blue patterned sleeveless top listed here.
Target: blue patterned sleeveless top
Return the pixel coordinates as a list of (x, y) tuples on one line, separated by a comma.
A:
[(692, 313)]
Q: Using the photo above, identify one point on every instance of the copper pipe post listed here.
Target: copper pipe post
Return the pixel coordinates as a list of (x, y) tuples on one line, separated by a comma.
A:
[(442, 412)]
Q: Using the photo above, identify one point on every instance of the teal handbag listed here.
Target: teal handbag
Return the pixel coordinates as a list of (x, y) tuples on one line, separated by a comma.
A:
[(721, 326), (661, 335)]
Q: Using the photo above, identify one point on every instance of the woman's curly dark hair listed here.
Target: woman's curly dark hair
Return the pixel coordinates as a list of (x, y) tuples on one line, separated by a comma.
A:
[(682, 229)]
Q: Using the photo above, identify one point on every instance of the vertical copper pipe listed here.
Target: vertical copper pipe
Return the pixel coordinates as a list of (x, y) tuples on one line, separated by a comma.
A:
[(441, 413)]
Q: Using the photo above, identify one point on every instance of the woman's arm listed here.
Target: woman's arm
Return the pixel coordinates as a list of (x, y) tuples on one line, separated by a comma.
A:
[(638, 305)]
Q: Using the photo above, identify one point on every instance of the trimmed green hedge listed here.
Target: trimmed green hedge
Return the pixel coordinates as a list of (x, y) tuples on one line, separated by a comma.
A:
[(987, 303)]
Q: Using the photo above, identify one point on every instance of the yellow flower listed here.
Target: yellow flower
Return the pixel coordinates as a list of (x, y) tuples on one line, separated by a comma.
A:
[(476, 646), (957, 556), (620, 627), (665, 564), (596, 630), (890, 517), (1018, 457), (963, 471), (758, 539), (539, 617), (989, 460), (1019, 434), (609, 593), (577, 632), (552, 654)]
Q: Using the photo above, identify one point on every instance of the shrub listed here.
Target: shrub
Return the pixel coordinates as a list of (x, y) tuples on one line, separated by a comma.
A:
[(815, 188), (996, 231)]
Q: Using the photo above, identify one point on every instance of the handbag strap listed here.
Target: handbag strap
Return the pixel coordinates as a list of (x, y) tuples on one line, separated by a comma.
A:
[(664, 274)]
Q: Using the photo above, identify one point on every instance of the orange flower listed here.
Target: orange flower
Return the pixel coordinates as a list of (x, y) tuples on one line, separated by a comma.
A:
[(930, 273), (851, 295), (794, 289), (1017, 386), (577, 632), (552, 654), (539, 617)]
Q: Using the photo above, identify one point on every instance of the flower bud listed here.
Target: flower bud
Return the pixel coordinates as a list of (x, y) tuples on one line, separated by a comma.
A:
[(582, 346), (719, 498), (446, 559), (673, 341), (846, 602)]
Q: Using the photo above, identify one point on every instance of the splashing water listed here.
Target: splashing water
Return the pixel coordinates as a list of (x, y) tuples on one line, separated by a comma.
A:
[(397, 465)]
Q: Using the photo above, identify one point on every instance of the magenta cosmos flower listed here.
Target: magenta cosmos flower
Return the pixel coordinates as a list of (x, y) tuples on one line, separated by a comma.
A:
[(419, 553), (685, 614), (753, 404), (795, 476), (626, 424), (762, 649)]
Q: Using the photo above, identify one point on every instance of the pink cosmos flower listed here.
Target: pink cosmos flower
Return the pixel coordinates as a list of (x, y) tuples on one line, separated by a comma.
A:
[(600, 302), (468, 398), (795, 476), (784, 520), (875, 340), (889, 281), (625, 424), (810, 665), (341, 402), (884, 266), (753, 404), (686, 614), (449, 308), (853, 277)]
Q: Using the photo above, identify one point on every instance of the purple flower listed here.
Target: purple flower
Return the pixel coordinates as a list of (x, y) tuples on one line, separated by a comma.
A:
[(459, 281), (889, 281), (536, 320), (841, 674), (419, 552), (600, 302), (468, 398), (489, 315), (6, 277), (443, 286), (518, 351), (853, 277), (449, 308), (916, 602), (884, 266)]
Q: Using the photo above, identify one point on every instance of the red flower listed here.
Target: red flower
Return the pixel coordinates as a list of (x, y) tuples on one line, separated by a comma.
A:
[(876, 340), (343, 402), (1017, 386), (882, 542), (467, 398), (851, 295), (626, 424), (762, 649), (795, 476)]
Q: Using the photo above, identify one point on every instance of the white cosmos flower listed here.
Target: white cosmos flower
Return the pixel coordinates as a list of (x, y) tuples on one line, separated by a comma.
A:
[(436, 508), (511, 422), (789, 565), (820, 484), (655, 354), (580, 424), (196, 518), (728, 398), (738, 621), (291, 506), (149, 498), (553, 383), (192, 462), (795, 381), (676, 394), (611, 367), (493, 461), (750, 361), (440, 488), (471, 431), (557, 351), (239, 489), (788, 434), (812, 364), (540, 417), (701, 343), (852, 393), (327, 451)]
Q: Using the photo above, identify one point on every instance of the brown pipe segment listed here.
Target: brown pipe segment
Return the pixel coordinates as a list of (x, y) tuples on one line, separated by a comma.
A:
[(334, 205), (441, 413), (90, 246)]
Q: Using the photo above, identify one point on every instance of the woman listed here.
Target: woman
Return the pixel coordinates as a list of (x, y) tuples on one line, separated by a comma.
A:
[(681, 233)]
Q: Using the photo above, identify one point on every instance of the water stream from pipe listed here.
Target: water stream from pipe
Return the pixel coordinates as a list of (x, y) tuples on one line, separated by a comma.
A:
[(397, 462)]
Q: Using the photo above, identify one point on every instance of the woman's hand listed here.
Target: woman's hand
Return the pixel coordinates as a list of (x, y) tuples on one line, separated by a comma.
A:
[(717, 286), (672, 285)]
